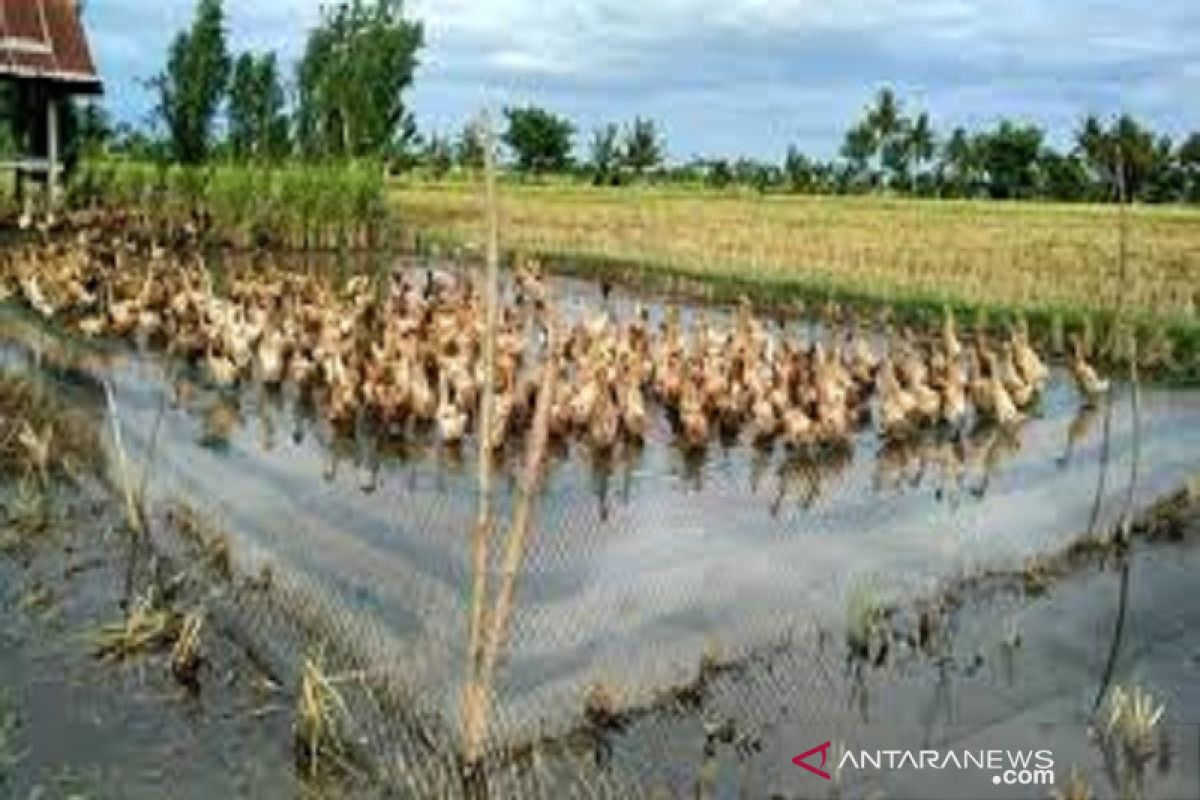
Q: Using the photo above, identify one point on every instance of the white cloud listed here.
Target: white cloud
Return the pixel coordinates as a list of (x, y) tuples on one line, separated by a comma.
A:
[(720, 73)]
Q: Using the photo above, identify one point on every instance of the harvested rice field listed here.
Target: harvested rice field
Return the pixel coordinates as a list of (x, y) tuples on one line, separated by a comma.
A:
[(1029, 255)]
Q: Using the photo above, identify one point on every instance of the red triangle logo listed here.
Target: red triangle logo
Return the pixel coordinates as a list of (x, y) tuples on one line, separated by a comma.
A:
[(823, 749)]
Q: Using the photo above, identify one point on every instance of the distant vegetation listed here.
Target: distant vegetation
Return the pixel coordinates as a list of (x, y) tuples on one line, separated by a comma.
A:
[(886, 150)]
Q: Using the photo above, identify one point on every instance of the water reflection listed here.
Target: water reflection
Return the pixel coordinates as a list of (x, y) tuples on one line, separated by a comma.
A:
[(951, 467), (221, 417), (1079, 431)]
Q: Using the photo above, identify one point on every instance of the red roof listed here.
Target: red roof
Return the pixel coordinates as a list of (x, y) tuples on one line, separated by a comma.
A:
[(45, 40)]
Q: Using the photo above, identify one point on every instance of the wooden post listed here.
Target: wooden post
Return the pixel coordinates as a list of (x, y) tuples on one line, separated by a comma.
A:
[(52, 155)]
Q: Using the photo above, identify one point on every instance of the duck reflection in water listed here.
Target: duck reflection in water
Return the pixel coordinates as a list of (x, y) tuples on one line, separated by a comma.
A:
[(1078, 432), (692, 468), (810, 474), (759, 461), (366, 452), (266, 408), (601, 474), (907, 463), (183, 391), (222, 417), (987, 450)]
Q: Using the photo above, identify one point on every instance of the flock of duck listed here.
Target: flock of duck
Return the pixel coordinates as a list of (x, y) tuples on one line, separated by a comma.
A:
[(406, 349)]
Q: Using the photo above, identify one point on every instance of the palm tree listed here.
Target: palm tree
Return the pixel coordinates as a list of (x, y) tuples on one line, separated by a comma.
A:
[(1189, 162), (643, 146), (958, 159), (921, 145), (1121, 155), (605, 155), (884, 117), (889, 126), (1093, 144), (859, 147)]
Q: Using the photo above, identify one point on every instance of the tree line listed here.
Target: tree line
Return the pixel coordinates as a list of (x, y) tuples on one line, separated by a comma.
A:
[(885, 150), (346, 100)]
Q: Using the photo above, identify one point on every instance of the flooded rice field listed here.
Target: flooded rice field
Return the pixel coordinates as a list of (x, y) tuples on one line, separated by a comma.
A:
[(691, 610)]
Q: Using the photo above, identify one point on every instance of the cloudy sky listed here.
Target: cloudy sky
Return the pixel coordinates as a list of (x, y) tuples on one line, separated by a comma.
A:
[(740, 76)]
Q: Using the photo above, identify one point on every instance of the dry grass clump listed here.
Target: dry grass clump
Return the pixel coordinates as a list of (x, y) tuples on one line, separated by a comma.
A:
[(1133, 719), (145, 628), (866, 617), (149, 628), (30, 510), (186, 657), (208, 546), (321, 714), (38, 437), (602, 706), (1075, 787)]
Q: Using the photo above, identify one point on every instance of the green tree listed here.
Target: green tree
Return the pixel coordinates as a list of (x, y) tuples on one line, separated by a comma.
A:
[(1009, 157), (858, 148), (258, 124), (93, 127), (84, 131), (1189, 164), (1165, 180), (756, 174), (539, 140), (960, 170), (643, 147), (605, 155), (1063, 177), (895, 153), (1122, 156), (921, 146), (439, 155), (884, 116), (351, 80), (192, 86), (718, 174), (1137, 152), (468, 150), (800, 172), (890, 133)]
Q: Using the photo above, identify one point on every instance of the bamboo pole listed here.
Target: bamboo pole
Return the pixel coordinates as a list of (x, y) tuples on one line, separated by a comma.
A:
[(1129, 277), (523, 511), (474, 701), (492, 640)]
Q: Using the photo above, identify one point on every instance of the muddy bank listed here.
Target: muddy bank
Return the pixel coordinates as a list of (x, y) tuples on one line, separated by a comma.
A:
[(83, 726), (98, 697)]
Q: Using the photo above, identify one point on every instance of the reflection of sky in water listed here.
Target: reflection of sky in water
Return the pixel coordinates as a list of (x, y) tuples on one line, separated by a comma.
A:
[(637, 565)]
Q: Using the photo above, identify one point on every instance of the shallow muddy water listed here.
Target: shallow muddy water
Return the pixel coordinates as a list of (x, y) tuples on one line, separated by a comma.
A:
[(76, 726), (637, 569)]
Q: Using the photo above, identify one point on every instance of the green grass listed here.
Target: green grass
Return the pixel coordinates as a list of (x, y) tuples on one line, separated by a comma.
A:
[(294, 206)]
